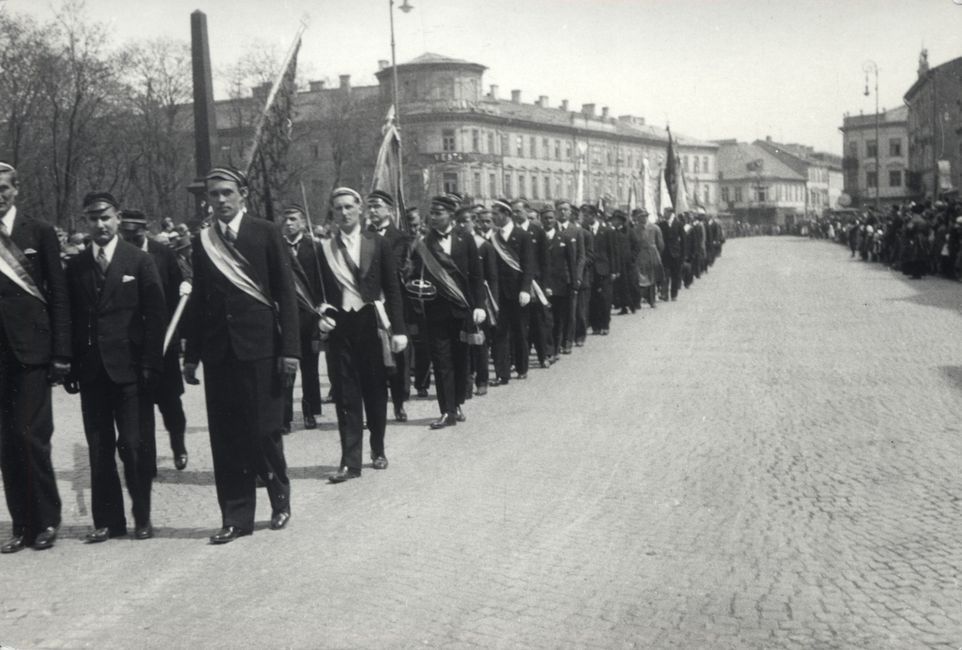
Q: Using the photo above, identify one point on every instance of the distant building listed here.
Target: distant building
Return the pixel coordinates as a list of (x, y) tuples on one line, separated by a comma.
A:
[(822, 170), (934, 127), (457, 137), (757, 187), (871, 167)]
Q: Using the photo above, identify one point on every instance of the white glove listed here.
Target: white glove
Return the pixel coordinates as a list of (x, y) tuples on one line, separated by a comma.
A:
[(524, 298), (398, 343), (326, 324), (185, 288), (479, 316)]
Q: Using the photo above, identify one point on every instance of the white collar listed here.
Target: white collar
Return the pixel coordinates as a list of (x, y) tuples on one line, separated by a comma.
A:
[(524, 226), (297, 240), (507, 229), (352, 234), (108, 248), (9, 218), (235, 223)]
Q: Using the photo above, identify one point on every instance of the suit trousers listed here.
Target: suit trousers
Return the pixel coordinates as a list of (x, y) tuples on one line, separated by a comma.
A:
[(169, 404), (310, 378), (26, 426), (360, 387), (104, 405), (481, 357), (450, 357), (245, 402), (511, 340), (562, 323), (672, 281), (581, 303), (599, 306), (399, 380), (541, 327), (421, 351)]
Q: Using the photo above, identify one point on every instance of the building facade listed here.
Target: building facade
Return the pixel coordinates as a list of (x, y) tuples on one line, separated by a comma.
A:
[(876, 165), (756, 187), (823, 173), (934, 125)]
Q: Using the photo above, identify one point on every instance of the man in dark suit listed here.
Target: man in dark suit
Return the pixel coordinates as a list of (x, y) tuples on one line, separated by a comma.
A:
[(119, 315), (448, 258), (357, 269), (563, 255), (133, 228), (673, 255), (540, 321), (569, 228), (515, 255), (380, 218), (481, 354), (242, 324), (305, 265), (588, 271), (605, 262), (34, 352)]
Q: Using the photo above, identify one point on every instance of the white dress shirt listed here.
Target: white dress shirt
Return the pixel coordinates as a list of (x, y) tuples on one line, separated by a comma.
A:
[(9, 218), (109, 249), (507, 229), (350, 294), (444, 239), (233, 225)]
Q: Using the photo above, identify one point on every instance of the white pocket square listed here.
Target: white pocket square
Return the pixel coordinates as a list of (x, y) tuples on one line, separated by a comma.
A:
[(29, 251), (128, 278)]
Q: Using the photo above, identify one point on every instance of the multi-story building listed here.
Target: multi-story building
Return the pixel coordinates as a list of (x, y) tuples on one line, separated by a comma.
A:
[(757, 187), (822, 170), (876, 165), (934, 128), (456, 137)]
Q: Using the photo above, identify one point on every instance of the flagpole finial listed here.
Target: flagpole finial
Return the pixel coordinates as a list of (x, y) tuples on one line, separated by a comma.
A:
[(305, 20)]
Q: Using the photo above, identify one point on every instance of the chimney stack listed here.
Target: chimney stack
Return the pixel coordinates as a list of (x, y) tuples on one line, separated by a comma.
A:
[(516, 96), (382, 63), (345, 81), (543, 101), (261, 91), (564, 105), (588, 109), (494, 91), (604, 112), (316, 86)]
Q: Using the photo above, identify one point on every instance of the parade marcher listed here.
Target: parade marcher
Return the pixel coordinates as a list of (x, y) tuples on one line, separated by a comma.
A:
[(242, 325), (605, 262), (569, 228), (515, 255), (133, 228), (563, 254), (421, 353), (448, 258), (305, 267), (119, 316), (380, 214), (624, 247), (481, 354), (366, 330), (650, 271), (539, 323), (34, 352), (673, 233)]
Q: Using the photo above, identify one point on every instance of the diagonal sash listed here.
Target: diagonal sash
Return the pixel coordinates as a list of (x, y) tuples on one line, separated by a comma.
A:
[(507, 255), (301, 286), (342, 266), (445, 281), (232, 265), (13, 264)]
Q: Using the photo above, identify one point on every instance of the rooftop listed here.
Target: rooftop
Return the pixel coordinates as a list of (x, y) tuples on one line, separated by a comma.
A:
[(736, 158)]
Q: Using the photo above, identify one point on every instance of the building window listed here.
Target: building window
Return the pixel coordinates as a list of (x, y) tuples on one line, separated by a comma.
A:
[(447, 140), (610, 163), (557, 149), (738, 195), (505, 145), (704, 164), (697, 165), (557, 186), (853, 148), (491, 142), (534, 147), (475, 140), (761, 194), (522, 190), (871, 179), (492, 185), (507, 185), (450, 182), (871, 149), (534, 187), (895, 178), (726, 195), (520, 147), (684, 163), (545, 148), (895, 147), (547, 187), (567, 151), (478, 190)]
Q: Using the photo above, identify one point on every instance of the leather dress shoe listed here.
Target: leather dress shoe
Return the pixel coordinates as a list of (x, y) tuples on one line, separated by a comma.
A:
[(482, 390), (446, 420), (400, 415), (310, 422), (45, 538), (422, 392), (144, 532), (344, 474), (14, 544), (379, 462), (459, 415), (180, 461), (522, 375), (227, 534), (566, 350), (279, 519), (103, 534)]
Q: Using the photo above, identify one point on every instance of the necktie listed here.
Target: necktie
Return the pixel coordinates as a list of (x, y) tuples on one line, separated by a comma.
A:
[(102, 261), (371, 227), (229, 234)]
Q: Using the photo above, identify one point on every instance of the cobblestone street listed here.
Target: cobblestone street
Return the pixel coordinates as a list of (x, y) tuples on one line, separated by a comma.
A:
[(772, 461)]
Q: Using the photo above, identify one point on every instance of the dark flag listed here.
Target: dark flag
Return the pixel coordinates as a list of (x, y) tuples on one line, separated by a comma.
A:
[(387, 169), (671, 169)]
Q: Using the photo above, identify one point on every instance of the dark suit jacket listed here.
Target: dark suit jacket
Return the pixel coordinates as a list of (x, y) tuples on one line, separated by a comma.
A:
[(542, 261), (222, 318), (378, 275), (308, 257), (165, 259), (563, 253), (606, 256), (468, 275), (489, 264), (511, 282), (674, 236), (589, 268), (122, 325), (36, 332)]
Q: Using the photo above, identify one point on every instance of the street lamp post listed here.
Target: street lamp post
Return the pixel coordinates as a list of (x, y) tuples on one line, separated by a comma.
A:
[(405, 7), (872, 67)]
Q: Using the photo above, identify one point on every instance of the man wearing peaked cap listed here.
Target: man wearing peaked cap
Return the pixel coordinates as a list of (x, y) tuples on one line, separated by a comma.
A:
[(241, 322), (133, 228), (118, 313), (34, 352)]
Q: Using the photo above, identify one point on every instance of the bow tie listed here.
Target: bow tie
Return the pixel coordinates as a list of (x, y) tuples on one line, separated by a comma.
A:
[(372, 228), (443, 235)]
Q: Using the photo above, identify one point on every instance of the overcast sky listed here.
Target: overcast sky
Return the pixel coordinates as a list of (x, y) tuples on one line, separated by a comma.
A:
[(715, 69)]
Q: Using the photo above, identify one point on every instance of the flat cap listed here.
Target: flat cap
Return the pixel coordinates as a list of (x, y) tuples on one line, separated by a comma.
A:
[(100, 201), (445, 201), (133, 219), (227, 174), (345, 191), (384, 196)]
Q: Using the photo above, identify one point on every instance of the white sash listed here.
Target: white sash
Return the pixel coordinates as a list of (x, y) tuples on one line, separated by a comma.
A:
[(225, 263)]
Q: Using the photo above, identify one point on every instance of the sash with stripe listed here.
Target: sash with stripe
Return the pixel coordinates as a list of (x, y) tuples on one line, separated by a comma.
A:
[(345, 270), (511, 260), (13, 264), (228, 260), (445, 282), (304, 294)]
